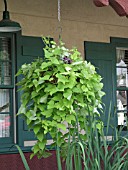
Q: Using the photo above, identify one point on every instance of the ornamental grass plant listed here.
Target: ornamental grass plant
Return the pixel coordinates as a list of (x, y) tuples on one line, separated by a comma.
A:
[(97, 152)]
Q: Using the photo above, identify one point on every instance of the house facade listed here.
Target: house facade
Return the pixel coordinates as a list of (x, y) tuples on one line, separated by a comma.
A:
[(100, 34)]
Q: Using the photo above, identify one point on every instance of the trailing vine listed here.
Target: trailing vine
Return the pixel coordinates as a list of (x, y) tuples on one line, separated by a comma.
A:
[(57, 90)]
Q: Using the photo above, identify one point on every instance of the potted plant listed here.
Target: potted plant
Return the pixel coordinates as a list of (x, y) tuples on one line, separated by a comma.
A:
[(62, 98), (57, 91)]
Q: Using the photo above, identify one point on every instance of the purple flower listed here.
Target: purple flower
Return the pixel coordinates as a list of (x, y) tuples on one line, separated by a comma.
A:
[(67, 60)]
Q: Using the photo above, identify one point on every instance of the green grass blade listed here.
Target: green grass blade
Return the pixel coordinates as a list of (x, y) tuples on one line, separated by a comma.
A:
[(58, 159), (83, 153), (69, 154), (23, 158), (58, 156)]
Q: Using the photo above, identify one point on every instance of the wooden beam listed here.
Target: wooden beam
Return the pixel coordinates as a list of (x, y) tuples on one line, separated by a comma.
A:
[(100, 3), (120, 6)]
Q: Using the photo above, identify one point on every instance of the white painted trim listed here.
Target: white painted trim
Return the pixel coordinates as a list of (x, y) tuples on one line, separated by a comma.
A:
[(33, 142)]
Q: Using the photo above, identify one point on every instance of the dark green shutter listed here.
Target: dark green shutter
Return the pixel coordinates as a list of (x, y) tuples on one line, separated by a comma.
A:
[(101, 55), (30, 48)]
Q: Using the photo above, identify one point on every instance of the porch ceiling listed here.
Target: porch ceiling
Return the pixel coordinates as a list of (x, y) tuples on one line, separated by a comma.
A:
[(120, 6)]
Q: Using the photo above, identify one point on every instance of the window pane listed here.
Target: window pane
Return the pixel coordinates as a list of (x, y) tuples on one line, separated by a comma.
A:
[(4, 125), (5, 68), (122, 107), (122, 118), (122, 77), (122, 65), (122, 100), (120, 53), (4, 100), (5, 73), (5, 61)]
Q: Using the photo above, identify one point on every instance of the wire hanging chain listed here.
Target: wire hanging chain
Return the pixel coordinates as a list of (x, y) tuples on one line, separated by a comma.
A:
[(59, 23), (59, 10)]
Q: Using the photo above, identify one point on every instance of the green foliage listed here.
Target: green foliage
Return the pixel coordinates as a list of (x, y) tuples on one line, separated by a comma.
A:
[(96, 152), (54, 90)]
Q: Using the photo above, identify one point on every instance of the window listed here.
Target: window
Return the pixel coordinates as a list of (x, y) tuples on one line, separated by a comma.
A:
[(6, 90), (111, 62), (15, 50), (122, 86)]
